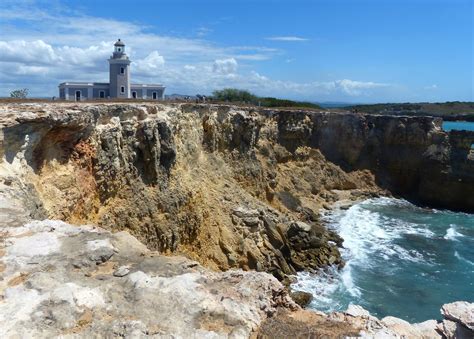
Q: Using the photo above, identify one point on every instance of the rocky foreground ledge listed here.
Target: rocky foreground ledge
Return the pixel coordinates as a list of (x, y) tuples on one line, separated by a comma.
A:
[(60, 280)]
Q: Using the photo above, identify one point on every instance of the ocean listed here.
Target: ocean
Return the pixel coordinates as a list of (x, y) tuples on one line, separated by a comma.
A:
[(402, 260), (458, 125)]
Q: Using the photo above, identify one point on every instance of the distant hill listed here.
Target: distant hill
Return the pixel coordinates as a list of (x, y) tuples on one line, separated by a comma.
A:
[(335, 104), (451, 110), (175, 96)]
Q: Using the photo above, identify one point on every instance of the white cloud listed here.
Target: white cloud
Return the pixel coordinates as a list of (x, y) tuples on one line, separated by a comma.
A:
[(149, 65), (88, 56), (287, 38), (34, 52), (203, 31), (225, 66), (61, 46), (356, 88), (38, 52), (431, 87)]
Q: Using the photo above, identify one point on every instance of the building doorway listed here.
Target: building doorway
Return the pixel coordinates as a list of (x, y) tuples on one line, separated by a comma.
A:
[(78, 95), (102, 94), (155, 95), (134, 95)]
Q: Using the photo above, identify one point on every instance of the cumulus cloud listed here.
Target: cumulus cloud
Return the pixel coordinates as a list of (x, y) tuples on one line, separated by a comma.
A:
[(38, 52), (356, 88), (287, 38), (149, 65), (225, 66), (38, 57), (34, 52)]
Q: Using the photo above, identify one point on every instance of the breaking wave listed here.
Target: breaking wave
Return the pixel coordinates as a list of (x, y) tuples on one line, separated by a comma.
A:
[(397, 256), (452, 234)]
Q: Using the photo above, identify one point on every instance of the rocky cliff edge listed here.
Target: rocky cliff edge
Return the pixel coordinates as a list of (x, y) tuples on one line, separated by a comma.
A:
[(230, 187)]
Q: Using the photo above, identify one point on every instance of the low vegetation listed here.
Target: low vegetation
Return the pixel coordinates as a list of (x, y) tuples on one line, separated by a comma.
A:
[(19, 93), (242, 96)]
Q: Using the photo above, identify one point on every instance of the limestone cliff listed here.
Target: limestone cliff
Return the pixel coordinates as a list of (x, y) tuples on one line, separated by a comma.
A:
[(230, 187), (410, 156), (227, 186), (211, 182)]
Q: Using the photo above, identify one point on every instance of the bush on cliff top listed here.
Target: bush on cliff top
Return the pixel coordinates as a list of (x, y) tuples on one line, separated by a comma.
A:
[(243, 96), (19, 93)]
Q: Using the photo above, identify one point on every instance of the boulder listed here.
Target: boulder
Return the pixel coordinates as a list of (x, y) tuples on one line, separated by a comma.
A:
[(122, 271), (448, 329), (427, 329), (357, 311), (461, 312), (243, 212), (405, 329), (301, 298)]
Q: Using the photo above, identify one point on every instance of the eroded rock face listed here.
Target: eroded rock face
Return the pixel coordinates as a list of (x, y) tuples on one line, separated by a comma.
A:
[(229, 187), (461, 313), (410, 156), (176, 176), (210, 182)]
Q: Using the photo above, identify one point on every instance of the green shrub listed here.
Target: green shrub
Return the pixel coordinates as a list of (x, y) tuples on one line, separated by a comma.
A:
[(19, 93), (238, 95)]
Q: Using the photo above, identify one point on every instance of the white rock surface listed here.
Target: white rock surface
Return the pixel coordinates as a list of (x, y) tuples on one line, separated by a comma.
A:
[(51, 287), (461, 312)]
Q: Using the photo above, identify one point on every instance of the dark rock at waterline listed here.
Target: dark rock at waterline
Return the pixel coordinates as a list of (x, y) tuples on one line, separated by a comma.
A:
[(301, 298)]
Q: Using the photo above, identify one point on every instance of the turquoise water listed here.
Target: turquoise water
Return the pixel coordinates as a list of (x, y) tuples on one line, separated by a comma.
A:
[(458, 125), (402, 260)]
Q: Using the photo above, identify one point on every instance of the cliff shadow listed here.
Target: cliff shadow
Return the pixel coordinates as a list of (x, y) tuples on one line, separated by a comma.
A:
[(39, 142)]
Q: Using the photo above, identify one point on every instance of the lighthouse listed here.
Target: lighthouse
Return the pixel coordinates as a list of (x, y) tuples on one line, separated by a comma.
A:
[(119, 72), (119, 85)]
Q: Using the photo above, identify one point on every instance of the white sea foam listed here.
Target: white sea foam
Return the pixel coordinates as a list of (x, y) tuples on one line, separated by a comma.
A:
[(348, 282), (366, 234), (369, 237), (452, 234), (324, 285), (461, 258)]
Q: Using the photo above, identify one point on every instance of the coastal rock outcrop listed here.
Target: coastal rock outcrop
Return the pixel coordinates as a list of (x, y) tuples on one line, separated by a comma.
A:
[(176, 175), (61, 280), (209, 182), (227, 188), (410, 156), (58, 282), (461, 312), (358, 322)]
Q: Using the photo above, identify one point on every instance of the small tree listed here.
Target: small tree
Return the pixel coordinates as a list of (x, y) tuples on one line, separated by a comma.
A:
[(19, 93)]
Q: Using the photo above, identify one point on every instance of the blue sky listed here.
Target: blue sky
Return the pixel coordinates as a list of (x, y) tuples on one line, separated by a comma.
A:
[(351, 51)]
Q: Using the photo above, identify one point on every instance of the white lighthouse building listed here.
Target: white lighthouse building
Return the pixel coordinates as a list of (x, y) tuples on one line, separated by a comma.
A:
[(119, 85)]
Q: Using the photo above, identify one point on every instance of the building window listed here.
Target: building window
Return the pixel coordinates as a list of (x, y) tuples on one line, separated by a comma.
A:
[(102, 94), (134, 95), (122, 89), (155, 95), (122, 70), (78, 95)]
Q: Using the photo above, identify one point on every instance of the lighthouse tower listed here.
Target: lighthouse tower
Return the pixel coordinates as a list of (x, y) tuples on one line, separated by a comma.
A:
[(119, 72)]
